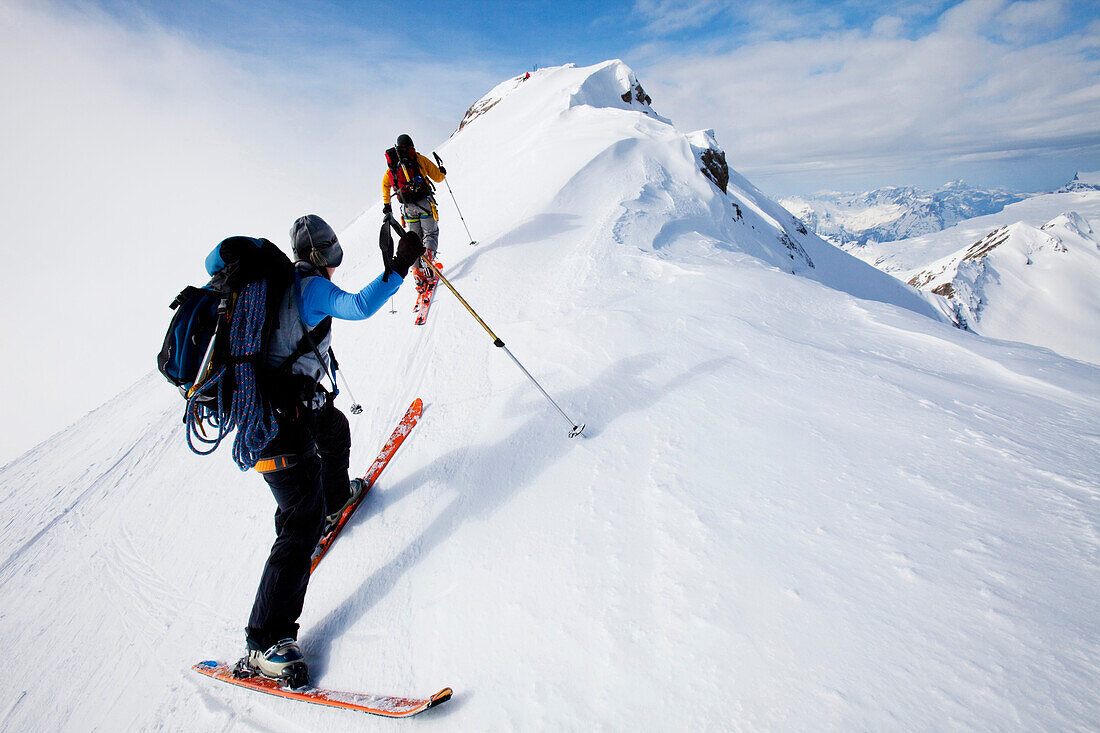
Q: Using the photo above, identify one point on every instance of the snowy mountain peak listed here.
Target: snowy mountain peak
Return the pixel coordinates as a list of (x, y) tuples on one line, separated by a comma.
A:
[(611, 84), (1082, 181), (1019, 281), (1070, 223)]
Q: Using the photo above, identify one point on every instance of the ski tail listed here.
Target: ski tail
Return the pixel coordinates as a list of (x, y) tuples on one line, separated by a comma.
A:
[(389, 706)]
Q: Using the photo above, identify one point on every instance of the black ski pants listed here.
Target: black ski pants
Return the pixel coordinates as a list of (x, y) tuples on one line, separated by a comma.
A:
[(316, 444)]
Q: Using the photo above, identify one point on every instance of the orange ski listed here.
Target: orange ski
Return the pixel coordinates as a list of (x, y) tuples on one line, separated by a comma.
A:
[(386, 705), (396, 439)]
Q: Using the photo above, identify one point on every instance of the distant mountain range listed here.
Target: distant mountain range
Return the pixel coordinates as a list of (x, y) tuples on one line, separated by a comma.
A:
[(1027, 272), (853, 220)]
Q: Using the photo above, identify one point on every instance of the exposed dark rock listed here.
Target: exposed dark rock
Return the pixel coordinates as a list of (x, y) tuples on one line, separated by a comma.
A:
[(715, 168), (476, 110), (794, 248), (984, 246), (947, 290), (922, 278), (636, 93)]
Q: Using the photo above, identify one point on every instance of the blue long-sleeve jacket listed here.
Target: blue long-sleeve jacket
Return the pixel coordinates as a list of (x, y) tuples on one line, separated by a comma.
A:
[(322, 298)]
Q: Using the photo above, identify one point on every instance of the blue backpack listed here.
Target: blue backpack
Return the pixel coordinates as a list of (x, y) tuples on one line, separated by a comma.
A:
[(215, 348), (189, 343)]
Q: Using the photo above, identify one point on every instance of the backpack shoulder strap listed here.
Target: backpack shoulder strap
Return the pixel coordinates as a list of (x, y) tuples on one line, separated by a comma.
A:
[(306, 344), (310, 338), (413, 161), (393, 160)]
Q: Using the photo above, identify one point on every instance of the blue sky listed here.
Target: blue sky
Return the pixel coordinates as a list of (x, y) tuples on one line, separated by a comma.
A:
[(804, 95)]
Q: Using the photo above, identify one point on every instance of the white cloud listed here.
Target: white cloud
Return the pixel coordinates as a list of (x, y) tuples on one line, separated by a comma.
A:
[(664, 16), (1021, 20), (858, 102), (759, 20), (889, 26), (129, 151), (971, 16)]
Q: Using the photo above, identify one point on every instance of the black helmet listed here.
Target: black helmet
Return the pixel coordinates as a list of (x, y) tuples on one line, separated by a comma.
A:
[(404, 141), (315, 242)]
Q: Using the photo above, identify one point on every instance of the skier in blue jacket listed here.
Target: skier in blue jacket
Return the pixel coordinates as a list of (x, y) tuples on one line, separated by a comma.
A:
[(306, 464)]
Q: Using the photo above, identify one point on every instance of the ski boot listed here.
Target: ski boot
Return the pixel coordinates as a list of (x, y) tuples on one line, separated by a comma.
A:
[(421, 280), (283, 662), (355, 488), (430, 278)]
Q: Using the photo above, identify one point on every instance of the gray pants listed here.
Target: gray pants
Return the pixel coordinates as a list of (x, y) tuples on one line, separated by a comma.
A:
[(419, 219)]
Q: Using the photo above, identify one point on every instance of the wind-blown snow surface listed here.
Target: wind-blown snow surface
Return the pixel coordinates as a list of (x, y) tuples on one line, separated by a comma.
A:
[(793, 508)]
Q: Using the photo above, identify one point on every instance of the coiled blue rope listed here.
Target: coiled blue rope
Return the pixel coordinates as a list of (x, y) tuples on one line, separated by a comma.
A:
[(255, 425), (200, 412)]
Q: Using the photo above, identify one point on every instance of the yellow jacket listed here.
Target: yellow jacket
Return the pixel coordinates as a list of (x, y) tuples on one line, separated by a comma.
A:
[(427, 167)]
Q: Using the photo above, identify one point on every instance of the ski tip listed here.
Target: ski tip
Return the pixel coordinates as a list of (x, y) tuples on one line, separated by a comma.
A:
[(440, 697)]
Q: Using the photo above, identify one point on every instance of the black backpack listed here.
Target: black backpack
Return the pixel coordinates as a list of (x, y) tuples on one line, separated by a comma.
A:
[(409, 181), (215, 348)]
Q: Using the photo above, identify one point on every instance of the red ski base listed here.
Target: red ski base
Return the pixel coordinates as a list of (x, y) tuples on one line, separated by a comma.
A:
[(385, 705), (396, 439)]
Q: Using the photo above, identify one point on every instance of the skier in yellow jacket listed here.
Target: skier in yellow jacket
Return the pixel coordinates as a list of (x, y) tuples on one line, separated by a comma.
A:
[(409, 174)]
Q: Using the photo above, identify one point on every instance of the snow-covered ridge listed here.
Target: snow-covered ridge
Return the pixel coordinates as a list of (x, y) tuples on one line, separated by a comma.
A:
[(590, 136), (610, 84)]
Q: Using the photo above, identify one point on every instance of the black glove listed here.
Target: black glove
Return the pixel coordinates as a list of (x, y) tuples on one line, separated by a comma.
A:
[(385, 243), (386, 209), (442, 170), (409, 250)]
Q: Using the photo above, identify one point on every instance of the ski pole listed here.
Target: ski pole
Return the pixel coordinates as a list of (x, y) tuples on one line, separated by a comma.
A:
[(575, 428), (460, 216), (355, 408)]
